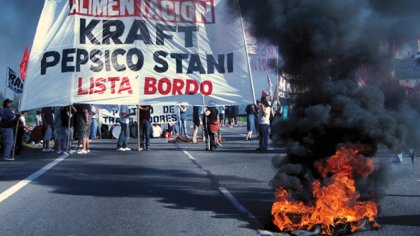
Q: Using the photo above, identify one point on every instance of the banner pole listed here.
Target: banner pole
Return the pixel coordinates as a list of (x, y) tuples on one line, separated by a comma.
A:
[(138, 128), (99, 123), (68, 130), (16, 130), (251, 80), (179, 121), (5, 84), (205, 133)]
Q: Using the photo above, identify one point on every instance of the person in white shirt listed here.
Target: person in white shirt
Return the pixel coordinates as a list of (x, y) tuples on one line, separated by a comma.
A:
[(125, 131), (22, 128), (94, 123), (38, 118), (156, 131), (264, 124)]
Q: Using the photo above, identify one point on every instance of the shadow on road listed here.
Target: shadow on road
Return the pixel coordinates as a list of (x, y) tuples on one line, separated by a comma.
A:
[(175, 188)]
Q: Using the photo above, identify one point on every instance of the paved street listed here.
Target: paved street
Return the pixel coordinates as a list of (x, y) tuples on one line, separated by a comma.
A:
[(175, 189)]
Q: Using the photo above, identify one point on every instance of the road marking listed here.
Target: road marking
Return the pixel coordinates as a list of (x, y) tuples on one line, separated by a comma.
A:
[(242, 209), (236, 203), (264, 232), (418, 180), (189, 155), (12, 190)]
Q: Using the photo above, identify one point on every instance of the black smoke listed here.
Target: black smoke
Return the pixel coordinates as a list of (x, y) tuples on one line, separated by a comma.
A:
[(327, 46)]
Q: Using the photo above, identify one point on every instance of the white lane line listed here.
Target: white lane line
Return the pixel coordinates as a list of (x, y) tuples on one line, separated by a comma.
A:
[(236, 203), (189, 155), (264, 233), (242, 209), (418, 180), (12, 190)]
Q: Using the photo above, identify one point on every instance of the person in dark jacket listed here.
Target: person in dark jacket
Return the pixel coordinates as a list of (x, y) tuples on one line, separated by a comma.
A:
[(251, 112), (197, 111), (212, 125), (145, 127), (7, 124)]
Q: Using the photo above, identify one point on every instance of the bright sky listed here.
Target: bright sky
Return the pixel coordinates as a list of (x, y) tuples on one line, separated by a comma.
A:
[(19, 21)]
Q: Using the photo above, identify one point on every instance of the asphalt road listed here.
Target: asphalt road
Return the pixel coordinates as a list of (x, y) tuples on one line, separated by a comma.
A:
[(174, 189)]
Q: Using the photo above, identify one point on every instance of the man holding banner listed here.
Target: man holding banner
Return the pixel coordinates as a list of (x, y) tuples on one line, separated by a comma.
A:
[(145, 127), (125, 129), (83, 124)]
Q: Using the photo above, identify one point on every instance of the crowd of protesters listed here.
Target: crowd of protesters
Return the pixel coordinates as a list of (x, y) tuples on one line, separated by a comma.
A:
[(80, 121)]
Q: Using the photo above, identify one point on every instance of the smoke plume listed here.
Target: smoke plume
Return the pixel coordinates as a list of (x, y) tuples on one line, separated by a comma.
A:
[(340, 53), (326, 46)]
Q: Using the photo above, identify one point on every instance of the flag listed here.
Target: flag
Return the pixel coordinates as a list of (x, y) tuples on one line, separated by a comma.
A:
[(264, 94), (14, 82), (24, 64)]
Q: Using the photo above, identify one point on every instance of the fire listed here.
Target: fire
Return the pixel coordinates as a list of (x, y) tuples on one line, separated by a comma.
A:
[(336, 202)]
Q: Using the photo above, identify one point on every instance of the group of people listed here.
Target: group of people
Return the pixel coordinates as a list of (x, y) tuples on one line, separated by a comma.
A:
[(51, 123), (61, 124), (228, 115), (260, 117), (208, 119), (145, 128)]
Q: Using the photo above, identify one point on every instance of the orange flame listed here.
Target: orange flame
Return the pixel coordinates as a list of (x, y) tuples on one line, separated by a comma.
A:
[(335, 203)]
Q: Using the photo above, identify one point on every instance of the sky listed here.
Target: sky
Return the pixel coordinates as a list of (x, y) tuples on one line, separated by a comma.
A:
[(19, 21)]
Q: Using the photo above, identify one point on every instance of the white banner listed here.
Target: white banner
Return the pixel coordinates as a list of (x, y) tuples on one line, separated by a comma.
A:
[(264, 60), (158, 115), (137, 52), (264, 68)]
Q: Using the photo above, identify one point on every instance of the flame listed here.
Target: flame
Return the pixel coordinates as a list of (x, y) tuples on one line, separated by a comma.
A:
[(335, 203)]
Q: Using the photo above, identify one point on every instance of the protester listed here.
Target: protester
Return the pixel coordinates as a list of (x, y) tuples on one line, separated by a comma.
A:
[(169, 129), (235, 113), (93, 123), (125, 129), (218, 135), (204, 119), (145, 127), (67, 124), (277, 113), (22, 128), (257, 120), (83, 123), (228, 116), (264, 118), (156, 131), (37, 131), (222, 115), (38, 118), (48, 122), (57, 135), (285, 112), (8, 119), (251, 111), (197, 111), (212, 127), (183, 119)]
